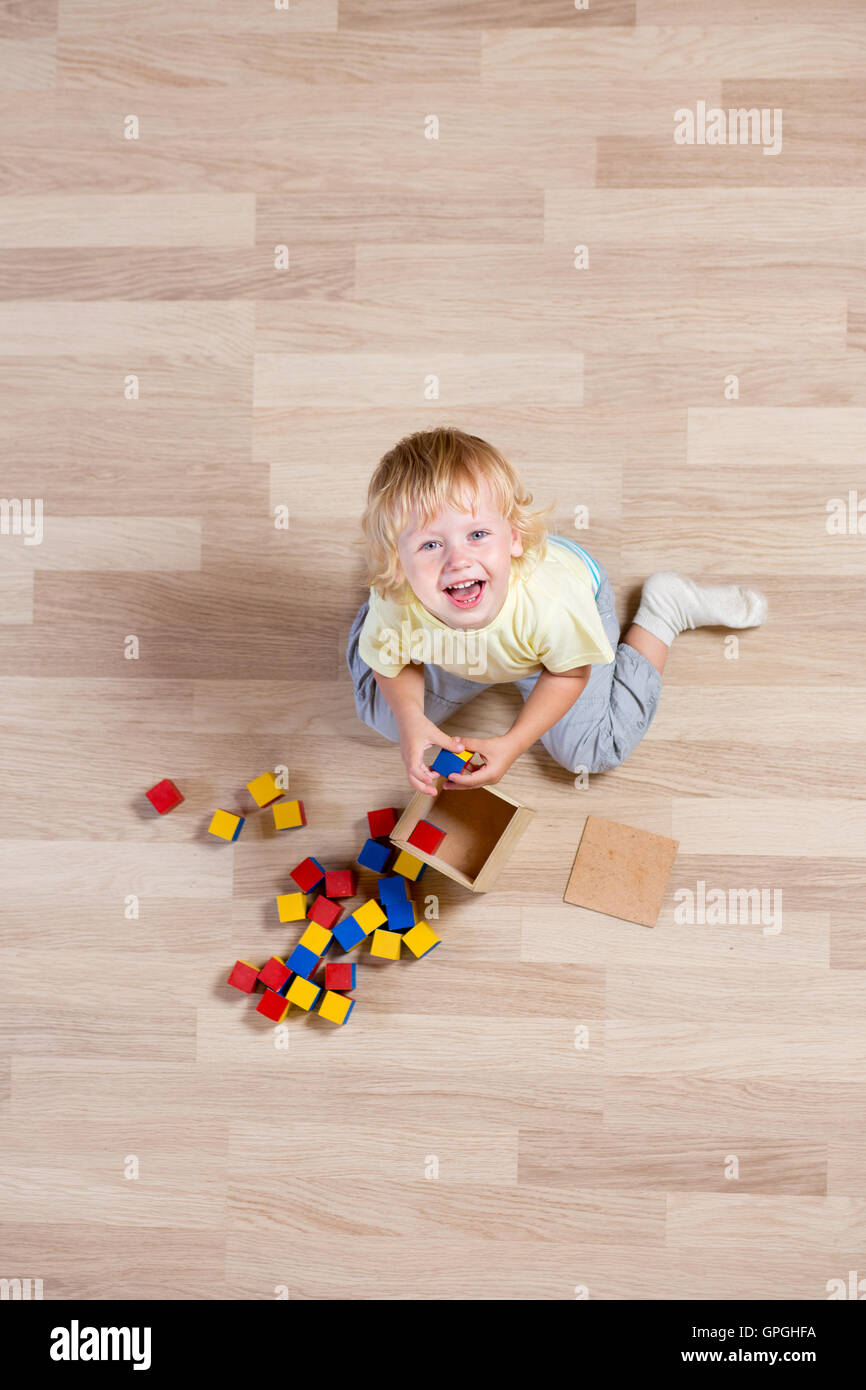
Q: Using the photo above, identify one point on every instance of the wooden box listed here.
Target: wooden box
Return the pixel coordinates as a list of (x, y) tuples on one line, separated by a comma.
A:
[(481, 825)]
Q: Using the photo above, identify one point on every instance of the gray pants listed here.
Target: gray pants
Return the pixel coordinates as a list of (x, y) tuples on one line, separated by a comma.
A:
[(599, 731)]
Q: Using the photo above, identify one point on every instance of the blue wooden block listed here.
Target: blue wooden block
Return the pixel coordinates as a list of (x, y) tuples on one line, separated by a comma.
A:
[(374, 856), (348, 934), (302, 961), (393, 889), (445, 763), (401, 915)]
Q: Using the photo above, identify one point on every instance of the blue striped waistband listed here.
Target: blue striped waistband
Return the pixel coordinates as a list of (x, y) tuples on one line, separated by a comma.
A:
[(584, 555)]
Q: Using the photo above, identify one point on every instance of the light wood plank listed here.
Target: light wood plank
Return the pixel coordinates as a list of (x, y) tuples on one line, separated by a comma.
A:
[(582, 1083)]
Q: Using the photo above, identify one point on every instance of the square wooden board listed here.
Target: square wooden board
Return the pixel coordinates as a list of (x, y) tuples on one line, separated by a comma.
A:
[(621, 871)]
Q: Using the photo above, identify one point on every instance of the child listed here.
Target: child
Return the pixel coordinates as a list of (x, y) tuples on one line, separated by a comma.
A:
[(467, 589)]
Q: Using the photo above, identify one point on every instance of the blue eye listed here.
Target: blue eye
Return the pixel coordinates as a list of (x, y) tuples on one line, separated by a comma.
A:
[(480, 533), (428, 543)]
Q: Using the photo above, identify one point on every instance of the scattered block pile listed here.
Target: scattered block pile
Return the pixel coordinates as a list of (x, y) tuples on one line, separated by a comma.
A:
[(389, 920)]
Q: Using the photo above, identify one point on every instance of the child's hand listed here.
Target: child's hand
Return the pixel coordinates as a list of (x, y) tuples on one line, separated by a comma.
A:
[(498, 754), (417, 734)]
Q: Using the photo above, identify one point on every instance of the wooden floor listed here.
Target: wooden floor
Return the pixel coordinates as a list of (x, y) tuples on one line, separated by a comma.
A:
[(165, 386)]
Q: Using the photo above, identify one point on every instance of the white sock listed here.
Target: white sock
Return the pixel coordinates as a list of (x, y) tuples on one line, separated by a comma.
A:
[(672, 602)]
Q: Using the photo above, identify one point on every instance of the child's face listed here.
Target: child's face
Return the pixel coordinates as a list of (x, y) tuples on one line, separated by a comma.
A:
[(460, 563)]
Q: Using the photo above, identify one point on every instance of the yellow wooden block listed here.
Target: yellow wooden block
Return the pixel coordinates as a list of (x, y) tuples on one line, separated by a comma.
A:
[(316, 939), (225, 824), (386, 944), (303, 993), (421, 939), (292, 907), (335, 1007), (464, 757), (264, 789), (288, 815), (407, 865), (369, 916)]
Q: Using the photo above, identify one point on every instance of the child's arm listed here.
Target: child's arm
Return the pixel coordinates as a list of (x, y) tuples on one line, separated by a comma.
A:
[(552, 697), (405, 692), (405, 696)]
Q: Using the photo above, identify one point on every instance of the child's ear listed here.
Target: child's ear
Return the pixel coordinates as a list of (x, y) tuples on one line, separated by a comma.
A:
[(516, 542)]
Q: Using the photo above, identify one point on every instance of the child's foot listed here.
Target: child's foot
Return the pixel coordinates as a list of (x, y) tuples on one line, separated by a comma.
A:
[(672, 602)]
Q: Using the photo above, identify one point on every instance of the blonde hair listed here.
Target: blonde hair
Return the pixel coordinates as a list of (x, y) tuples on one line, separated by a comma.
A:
[(427, 471)]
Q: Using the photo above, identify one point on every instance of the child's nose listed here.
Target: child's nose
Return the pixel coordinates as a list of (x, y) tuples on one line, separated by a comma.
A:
[(458, 557)]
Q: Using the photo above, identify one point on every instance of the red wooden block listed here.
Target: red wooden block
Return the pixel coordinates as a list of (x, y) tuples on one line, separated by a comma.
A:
[(272, 1006), (338, 975), (164, 796), (307, 874), (426, 837), (324, 912), (382, 822), (244, 976), (275, 973), (340, 883)]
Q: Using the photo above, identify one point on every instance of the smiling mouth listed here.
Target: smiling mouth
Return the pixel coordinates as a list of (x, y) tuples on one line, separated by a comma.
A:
[(466, 594)]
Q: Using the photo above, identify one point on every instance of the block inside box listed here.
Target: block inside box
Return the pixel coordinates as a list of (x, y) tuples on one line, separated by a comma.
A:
[(474, 822)]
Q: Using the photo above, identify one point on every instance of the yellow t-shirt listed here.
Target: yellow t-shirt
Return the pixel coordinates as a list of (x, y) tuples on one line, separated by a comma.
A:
[(549, 620)]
